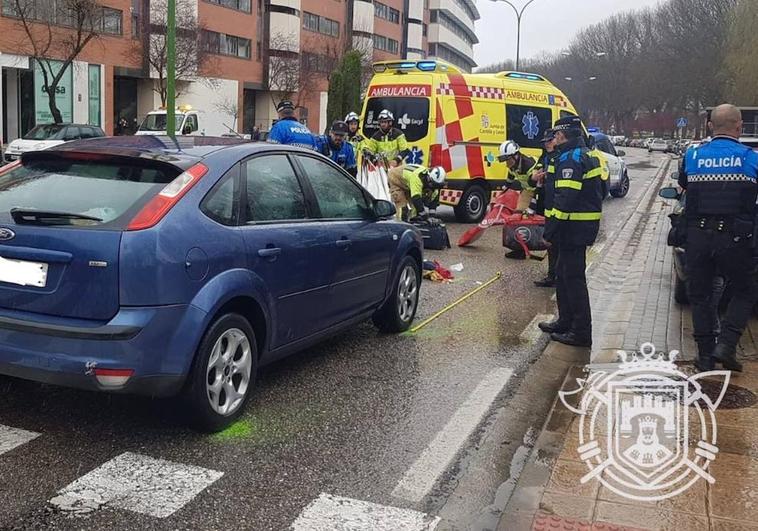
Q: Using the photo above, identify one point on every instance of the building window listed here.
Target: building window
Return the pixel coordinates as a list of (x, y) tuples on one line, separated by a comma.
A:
[(386, 44), (313, 62), (223, 44), (323, 25), (55, 12), (94, 95), (451, 24), (136, 18), (467, 8), (386, 12), (240, 5)]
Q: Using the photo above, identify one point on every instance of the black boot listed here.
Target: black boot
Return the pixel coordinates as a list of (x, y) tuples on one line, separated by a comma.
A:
[(572, 339), (727, 357), (704, 363), (547, 282), (516, 255), (552, 327)]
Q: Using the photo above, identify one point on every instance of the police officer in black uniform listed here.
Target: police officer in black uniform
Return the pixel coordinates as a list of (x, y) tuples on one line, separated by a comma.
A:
[(720, 179), (544, 181), (574, 225)]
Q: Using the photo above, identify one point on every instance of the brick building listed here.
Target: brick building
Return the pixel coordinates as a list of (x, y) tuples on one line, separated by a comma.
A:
[(246, 41)]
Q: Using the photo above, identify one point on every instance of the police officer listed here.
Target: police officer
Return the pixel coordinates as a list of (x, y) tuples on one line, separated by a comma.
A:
[(544, 181), (388, 141), (577, 209), (720, 179), (288, 130), (336, 147)]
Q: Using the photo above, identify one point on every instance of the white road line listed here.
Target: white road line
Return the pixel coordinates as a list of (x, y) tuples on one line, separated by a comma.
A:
[(335, 513), (532, 332), (11, 438), (419, 480), (136, 483)]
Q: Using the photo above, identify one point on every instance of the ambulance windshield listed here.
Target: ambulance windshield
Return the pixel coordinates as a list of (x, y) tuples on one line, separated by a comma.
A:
[(411, 116)]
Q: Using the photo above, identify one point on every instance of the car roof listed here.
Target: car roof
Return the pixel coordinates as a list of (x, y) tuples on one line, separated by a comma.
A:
[(182, 152), (598, 134)]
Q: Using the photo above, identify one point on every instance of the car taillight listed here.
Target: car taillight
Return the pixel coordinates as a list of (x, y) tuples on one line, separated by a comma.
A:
[(113, 377), (159, 205)]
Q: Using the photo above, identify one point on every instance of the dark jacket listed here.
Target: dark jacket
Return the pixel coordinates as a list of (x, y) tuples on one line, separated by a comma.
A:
[(546, 193), (578, 198)]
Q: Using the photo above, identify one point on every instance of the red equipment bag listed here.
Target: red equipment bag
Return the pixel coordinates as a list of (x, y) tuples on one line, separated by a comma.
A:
[(503, 206)]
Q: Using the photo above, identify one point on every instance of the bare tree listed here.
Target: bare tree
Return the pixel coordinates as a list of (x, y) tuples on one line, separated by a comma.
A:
[(192, 49), (54, 49), (229, 108)]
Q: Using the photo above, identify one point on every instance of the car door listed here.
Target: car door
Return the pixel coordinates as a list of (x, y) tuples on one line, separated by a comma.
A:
[(287, 247), (362, 247)]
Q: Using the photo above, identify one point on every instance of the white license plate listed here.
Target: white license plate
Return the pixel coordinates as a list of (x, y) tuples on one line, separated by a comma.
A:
[(23, 273)]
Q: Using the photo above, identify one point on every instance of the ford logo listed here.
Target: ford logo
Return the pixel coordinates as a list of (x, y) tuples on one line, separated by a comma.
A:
[(6, 234)]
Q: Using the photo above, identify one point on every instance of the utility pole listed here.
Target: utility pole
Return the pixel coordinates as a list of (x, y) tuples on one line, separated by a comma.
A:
[(171, 69)]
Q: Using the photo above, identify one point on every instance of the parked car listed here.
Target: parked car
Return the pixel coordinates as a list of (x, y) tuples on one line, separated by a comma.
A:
[(49, 135), (149, 266), (658, 144), (618, 181)]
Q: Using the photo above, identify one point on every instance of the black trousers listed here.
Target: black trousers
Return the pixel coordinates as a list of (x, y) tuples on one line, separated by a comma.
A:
[(711, 253), (552, 262), (571, 290)]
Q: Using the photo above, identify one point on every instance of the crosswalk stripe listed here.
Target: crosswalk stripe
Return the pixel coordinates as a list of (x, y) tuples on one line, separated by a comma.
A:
[(419, 480), (11, 438), (335, 513), (136, 483)]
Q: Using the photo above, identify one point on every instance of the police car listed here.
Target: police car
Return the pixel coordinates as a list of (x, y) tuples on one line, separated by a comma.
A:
[(618, 180)]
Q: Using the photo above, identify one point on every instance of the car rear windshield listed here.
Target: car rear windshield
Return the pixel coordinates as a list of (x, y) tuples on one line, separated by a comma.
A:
[(45, 132), (157, 122), (111, 191)]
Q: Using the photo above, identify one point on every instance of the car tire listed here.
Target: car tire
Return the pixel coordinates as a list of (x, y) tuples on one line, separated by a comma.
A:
[(229, 345), (398, 312), (680, 291), (473, 205), (623, 188)]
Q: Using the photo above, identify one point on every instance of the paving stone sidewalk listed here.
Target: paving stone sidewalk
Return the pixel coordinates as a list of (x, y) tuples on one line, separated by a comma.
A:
[(631, 286)]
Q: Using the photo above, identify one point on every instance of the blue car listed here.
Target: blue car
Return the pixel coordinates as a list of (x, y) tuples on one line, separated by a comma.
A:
[(158, 267)]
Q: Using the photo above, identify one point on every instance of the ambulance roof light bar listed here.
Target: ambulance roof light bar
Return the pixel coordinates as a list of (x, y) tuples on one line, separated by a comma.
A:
[(403, 67), (522, 75)]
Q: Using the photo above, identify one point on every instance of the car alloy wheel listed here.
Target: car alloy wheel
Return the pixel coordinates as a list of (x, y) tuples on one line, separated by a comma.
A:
[(407, 293), (229, 372)]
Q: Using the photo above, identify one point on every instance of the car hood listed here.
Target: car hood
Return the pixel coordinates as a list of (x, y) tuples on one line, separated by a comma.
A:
[(21, 145)]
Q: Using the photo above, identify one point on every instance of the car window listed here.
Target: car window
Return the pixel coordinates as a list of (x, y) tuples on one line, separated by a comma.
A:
[(337, 195), (88, 132), (72, 133), (219, 203), (191, 123), (603, 144), (273, 191)]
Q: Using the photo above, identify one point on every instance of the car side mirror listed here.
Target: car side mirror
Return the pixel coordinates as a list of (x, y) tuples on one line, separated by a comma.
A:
[(621, 153), (669, 192), (384, 209)]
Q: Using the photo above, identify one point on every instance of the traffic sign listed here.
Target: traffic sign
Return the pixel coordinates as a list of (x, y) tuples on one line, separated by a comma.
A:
[(681, 122)]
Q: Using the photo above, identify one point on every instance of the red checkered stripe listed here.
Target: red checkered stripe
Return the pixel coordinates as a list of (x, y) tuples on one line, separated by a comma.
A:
[(489, 93), (445, 89), (450, 197)]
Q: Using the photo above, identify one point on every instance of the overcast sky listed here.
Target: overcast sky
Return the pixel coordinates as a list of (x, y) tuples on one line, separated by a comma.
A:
[(548, 25)]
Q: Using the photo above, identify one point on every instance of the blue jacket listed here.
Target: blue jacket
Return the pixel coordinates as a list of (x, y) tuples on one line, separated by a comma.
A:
[(720, 179), (291, 132), (344, 156)]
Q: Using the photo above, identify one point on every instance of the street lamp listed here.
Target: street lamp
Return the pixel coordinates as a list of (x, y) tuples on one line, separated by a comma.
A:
[(171, 68), (519, 14)]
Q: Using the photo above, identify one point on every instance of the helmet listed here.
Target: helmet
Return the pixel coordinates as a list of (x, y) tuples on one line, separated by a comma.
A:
[(437, 177), (508, 149), (352, 117), (339, 128), (386, 115)]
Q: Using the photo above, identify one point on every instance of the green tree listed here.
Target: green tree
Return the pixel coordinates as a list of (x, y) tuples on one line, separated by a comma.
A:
[(336, 96), (742, 54), (345, 87)]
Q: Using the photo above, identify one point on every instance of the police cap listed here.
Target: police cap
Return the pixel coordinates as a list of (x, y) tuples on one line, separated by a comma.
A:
[(339, 127), (568, 123), (285, 104), (548, 136)]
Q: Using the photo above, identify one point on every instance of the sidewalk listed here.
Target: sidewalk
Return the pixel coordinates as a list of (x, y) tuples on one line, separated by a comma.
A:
[(631, 285)]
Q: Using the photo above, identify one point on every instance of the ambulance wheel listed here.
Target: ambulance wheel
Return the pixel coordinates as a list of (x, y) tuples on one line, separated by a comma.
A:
[(473, 205)]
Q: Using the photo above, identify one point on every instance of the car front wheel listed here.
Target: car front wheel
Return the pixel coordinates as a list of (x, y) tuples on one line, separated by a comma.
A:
[(223, 374), (623, 188), (397, 313)]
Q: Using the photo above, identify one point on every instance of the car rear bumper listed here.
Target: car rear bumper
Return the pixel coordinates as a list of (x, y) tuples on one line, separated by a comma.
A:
[(156, 343)]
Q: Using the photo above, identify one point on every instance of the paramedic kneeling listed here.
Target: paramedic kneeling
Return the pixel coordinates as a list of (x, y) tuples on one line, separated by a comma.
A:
[(413, 187), (720, 179)]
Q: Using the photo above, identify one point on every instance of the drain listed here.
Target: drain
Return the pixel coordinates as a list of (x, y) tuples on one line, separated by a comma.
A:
[(736, 397)]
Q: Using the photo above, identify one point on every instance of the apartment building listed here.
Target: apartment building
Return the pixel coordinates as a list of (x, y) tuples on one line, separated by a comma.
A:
[(248, 53), (451, 32)]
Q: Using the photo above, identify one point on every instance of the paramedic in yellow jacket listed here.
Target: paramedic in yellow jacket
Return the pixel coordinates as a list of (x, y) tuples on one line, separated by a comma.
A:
[(520, 169), (388, 141), (415, 188)]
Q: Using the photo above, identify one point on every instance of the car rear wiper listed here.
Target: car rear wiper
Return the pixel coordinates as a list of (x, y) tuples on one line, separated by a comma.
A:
[(46, 217)]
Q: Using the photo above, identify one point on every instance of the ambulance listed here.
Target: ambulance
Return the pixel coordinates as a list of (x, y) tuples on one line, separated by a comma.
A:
[(458, 121)]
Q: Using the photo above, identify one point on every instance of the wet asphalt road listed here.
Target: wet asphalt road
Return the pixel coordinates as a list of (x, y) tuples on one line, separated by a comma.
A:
[(347, 418)]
